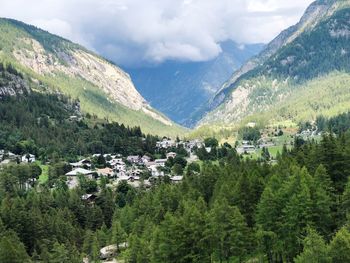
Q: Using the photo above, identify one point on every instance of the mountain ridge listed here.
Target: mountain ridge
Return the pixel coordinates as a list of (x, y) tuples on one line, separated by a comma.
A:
[(232, 102), (104, 88)]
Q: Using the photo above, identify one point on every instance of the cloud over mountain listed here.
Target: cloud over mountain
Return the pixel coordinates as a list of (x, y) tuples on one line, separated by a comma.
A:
[(138, 31)]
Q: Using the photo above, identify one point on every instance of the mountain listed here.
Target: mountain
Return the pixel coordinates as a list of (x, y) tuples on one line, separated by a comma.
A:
[(179, 88), (51, 63), (303, 72)]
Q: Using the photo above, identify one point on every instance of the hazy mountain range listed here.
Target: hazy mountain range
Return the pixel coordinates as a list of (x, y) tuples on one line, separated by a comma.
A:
[(180, 88)]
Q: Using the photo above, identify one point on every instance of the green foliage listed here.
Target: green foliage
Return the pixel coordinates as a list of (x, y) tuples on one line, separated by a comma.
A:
[(315, 249), (12, 249), (228, 232), (314, 53), (338, 124), (249, 134), (29, 124), (235, 210), (340, 246)]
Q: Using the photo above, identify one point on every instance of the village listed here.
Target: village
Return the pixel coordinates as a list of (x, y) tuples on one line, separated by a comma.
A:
[(144, 171), (136, 170)]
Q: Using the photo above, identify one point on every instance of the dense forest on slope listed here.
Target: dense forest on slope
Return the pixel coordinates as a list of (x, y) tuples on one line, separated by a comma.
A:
[(318, 52), (40, 124), (233, 210), (338, 124), (51, 125)]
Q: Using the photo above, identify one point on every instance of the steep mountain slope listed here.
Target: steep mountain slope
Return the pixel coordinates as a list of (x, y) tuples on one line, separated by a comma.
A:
[(179, 88), (40, 123), (102, 88), (313, 50)]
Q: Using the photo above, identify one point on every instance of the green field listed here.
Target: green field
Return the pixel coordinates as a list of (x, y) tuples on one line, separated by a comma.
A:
[(45, 174)]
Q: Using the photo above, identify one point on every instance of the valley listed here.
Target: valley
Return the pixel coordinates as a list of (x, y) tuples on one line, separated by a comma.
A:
[(244, 157)]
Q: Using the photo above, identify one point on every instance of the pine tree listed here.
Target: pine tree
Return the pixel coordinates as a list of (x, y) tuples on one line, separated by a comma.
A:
[(315, 249), (227, 231), (118, 233), (12, 249), (339, 248), (297, 215)]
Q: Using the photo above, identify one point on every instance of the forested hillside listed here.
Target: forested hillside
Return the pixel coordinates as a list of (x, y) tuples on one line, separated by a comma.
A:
[(311, 67), (52, 125), (233, 210)]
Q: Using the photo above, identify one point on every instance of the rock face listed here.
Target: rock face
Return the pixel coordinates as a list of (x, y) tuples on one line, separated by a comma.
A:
[(254, 87), (12, 85), (59, 65), (314, 13), (79, 63)]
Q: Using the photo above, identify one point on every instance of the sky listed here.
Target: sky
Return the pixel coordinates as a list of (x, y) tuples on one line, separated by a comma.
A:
[(136, 32)]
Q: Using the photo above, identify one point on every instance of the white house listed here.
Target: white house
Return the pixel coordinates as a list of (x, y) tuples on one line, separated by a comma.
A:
[(171, 155), (165, 143), (135, 159), (81, 171), (160, 162), (155, 171), (81, 163), (146, 159), (28, 158), (176, 179), (246, 149)]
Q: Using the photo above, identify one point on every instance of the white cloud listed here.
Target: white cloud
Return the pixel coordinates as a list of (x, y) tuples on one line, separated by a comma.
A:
[(137, 31)]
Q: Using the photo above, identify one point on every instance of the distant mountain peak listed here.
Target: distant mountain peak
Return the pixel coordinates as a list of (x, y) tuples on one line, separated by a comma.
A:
[(179, 88)]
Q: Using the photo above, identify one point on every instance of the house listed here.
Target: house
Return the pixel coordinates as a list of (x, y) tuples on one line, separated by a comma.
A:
[(245, 142), (81, 171), (134, 159), (89, 198), (122, 178), (146, 159), (134, 172), (171, 155), (11, 156), (191, 145), (165, 143), (116, 162), (105, 172), (251, 125), (176, 179), (120, 168), (28, 158), (155, 171), (134, 178), (249, 148), (246, 149), (160, 162), (208, 149), (81, 164), (75, 118)]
